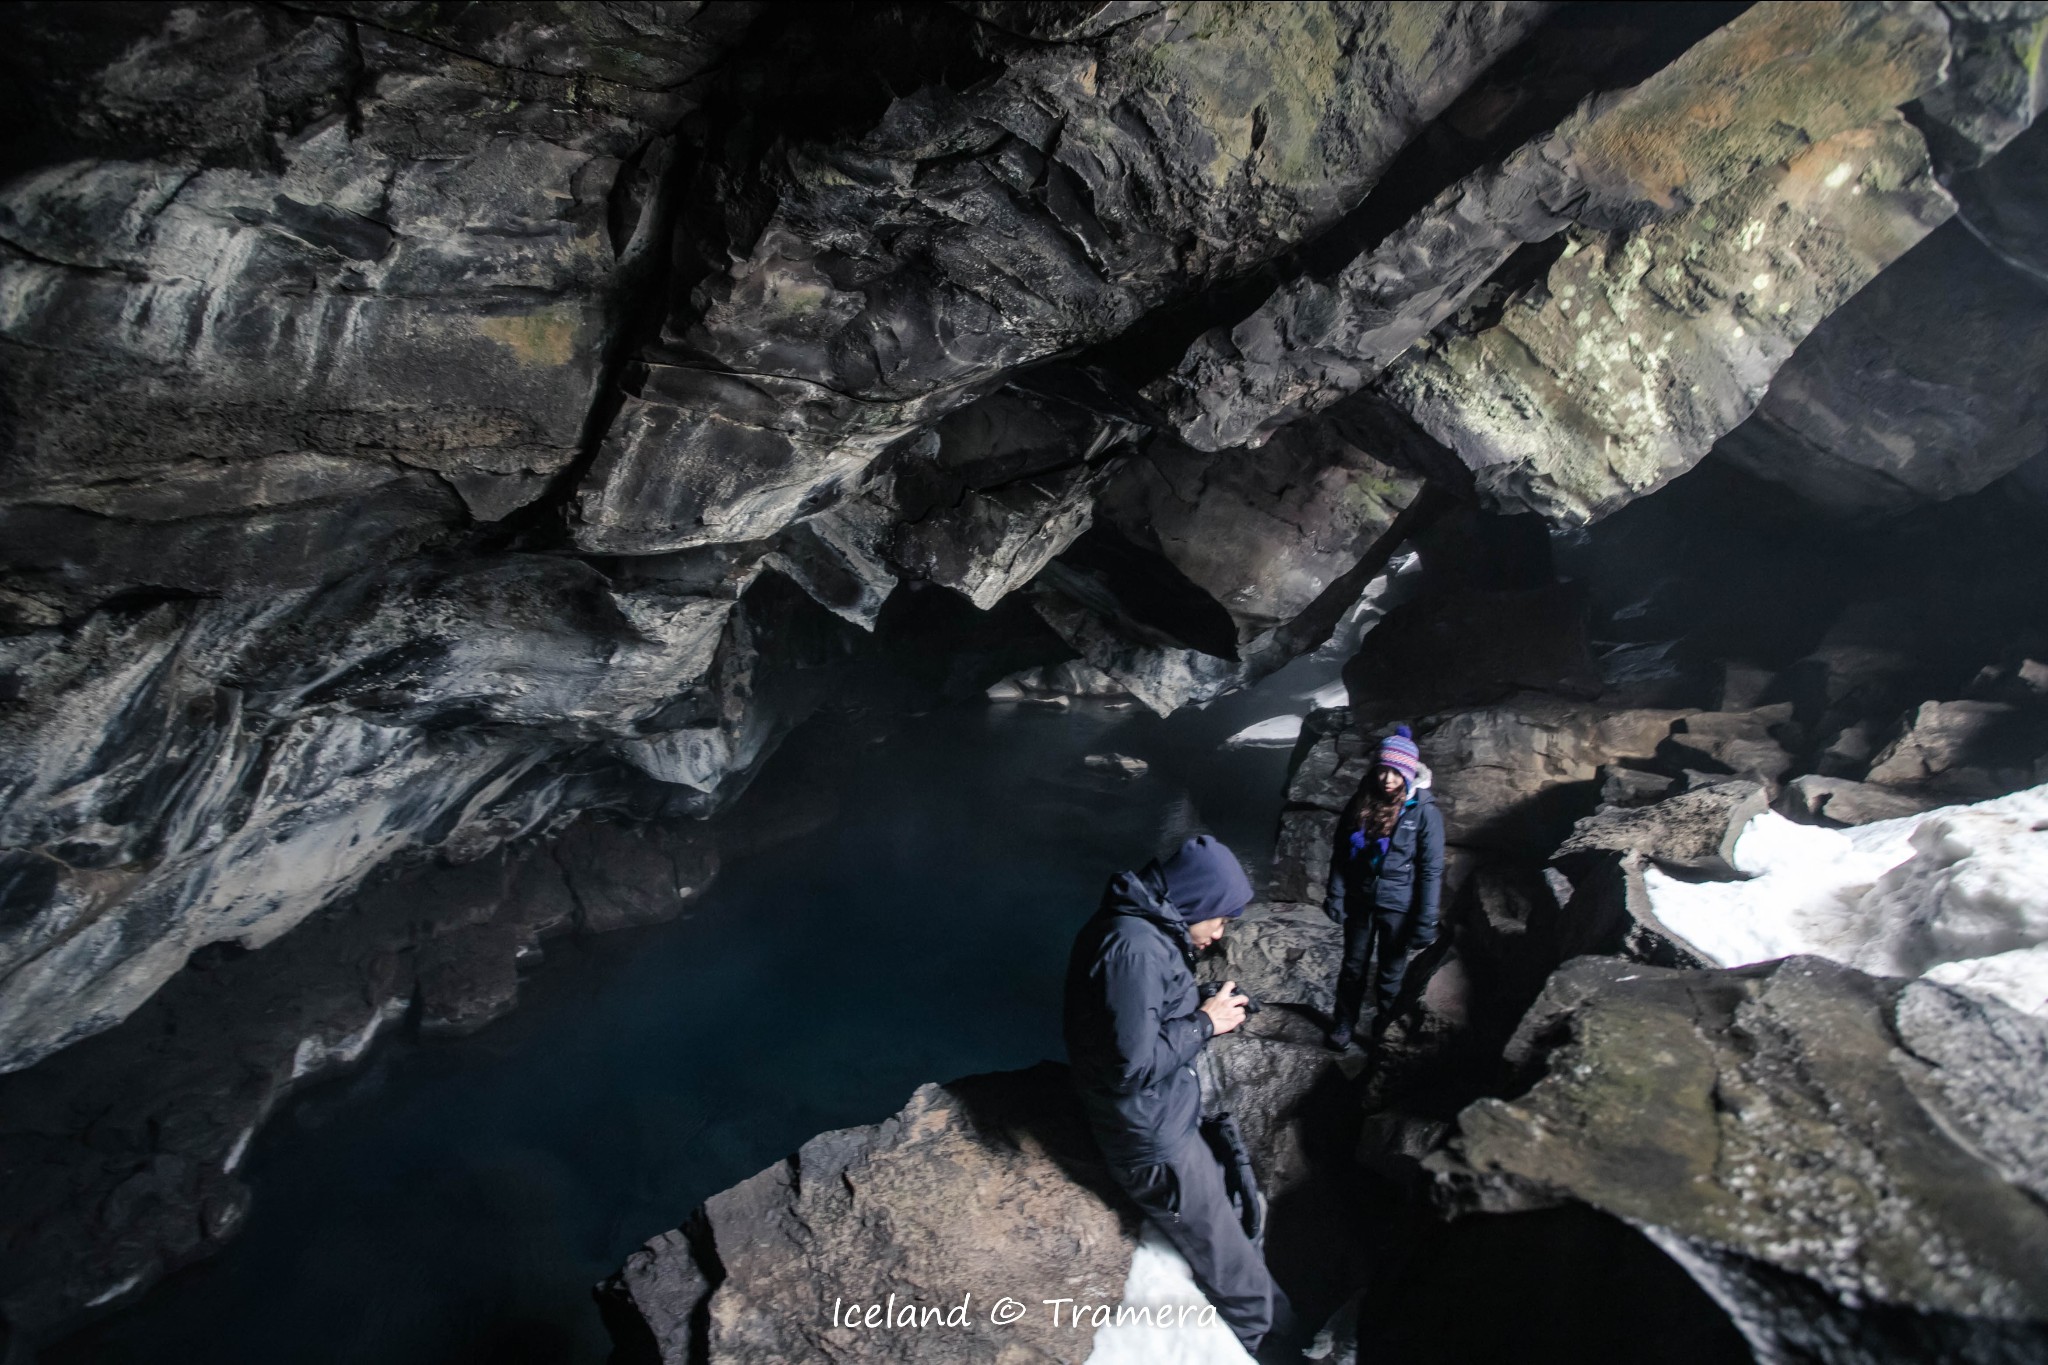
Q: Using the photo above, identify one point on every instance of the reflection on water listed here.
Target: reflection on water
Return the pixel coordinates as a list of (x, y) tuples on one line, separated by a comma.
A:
[(454, 1201)]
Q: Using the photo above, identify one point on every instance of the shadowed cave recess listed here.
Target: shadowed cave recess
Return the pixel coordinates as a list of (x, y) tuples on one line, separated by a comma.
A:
[(590, 592)]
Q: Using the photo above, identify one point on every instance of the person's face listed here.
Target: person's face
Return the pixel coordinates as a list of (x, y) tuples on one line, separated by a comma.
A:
[(1390, 782), (1202, 933)]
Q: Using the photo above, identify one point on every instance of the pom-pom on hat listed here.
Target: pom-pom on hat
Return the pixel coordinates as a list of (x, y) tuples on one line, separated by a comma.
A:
[(1398, 751)]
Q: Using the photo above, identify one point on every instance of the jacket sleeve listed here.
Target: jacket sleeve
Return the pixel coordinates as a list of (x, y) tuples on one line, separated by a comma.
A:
[(1429, 857), (1333, 898), (1149, 1046)]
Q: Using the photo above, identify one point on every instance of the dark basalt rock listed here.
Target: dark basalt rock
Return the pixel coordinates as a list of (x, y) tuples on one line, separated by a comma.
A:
[(1963, 750), (1694, 831), (976, 1188), (271, 754), (1836, 1194), (966, 235), (357, 261), (1839, 801), (1462, 648), (1918, 389)]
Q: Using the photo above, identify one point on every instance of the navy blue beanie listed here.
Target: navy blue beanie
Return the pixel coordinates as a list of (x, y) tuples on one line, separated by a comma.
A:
[(1202, 880)]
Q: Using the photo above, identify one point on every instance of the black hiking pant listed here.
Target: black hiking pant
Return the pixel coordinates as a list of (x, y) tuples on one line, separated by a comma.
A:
[(1185, 1198), (1389, 934)]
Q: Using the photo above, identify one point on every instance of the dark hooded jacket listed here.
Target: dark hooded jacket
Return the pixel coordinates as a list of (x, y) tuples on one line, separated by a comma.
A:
[(1408, 876), (1133, 1019)]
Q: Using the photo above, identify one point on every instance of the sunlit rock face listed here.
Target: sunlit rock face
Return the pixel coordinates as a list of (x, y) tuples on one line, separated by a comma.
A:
[(1694, 241), (417, 419)]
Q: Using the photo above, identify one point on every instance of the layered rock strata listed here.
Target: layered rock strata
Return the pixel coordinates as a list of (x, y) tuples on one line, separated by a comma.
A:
[(1689, 242)]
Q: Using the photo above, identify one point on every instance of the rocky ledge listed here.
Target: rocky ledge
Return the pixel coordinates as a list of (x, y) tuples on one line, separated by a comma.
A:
[(1848, 1168), (980, 1191), (1853, 1167)]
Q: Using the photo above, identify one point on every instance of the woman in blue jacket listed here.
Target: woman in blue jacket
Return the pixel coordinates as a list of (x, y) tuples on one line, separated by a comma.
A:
[(1386, 878)]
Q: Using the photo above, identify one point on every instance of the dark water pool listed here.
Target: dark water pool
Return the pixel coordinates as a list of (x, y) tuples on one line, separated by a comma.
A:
[(454, 1201)]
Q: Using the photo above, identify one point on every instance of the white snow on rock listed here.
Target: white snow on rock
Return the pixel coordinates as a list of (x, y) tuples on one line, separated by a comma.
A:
[(1161, 1284), (1330, 696), (1958, 894), (1267, 733)]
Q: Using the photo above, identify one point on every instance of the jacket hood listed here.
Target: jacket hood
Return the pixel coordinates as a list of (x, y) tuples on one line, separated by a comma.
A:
[(1130, 895)]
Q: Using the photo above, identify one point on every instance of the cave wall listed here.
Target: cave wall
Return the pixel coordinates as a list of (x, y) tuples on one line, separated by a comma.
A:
[(406, 411)]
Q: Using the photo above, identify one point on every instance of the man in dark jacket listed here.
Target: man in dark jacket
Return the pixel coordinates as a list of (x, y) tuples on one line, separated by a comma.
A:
[(1135, 1022), (1386, 879)]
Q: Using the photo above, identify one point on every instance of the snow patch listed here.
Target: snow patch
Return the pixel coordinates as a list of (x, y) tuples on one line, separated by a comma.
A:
[(1958, 894), (319, 1052), (1160, 1280), (107, 1297), (239, 1150), (1330, 696), (1267, 733)]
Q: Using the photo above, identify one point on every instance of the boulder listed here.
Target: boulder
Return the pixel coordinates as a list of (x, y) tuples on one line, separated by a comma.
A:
[(987, 1187), (1607, 910), (981, 1189), (623, 876), (1694, 830), (1624, 788), (1514, 776), (1740, 742), (1837, 1195), (468, 978), (1509, 778), (1839, 801), (1962, 750), (1281, 954)]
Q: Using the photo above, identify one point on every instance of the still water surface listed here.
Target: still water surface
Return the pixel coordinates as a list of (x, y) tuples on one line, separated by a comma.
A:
[(455, 1200)]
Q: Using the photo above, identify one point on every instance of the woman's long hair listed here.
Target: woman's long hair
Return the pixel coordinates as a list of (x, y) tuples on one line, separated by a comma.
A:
[(1377, 811)]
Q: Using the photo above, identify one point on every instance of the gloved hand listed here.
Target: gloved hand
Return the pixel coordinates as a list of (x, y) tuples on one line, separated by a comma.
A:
[(1335, 915), (1425, 938)]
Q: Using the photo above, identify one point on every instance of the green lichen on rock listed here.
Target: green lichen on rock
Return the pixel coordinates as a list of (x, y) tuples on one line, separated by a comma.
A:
[(1640, 350)]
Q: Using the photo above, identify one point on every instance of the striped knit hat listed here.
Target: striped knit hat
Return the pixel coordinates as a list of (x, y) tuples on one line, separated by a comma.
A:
[(1398, 751)]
